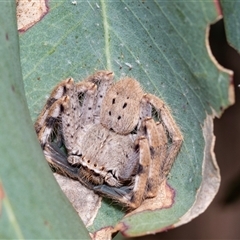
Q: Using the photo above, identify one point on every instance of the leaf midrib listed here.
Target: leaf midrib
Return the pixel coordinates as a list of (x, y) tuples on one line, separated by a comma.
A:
[(106, 34)]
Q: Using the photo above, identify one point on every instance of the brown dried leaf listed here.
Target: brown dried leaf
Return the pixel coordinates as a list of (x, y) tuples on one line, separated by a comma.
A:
[(85, 201), (30, 12), (103, 234), (164, 199)]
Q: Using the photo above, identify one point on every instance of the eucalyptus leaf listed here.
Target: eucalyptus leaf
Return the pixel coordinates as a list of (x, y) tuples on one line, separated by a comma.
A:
[(164, 46), (230, 10), (32, 206)]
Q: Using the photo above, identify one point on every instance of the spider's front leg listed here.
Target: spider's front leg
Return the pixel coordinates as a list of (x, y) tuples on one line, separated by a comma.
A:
[(54, 156), (50, 120), (103, 79), (56, 94), (51, 111), (62, 102), (85, 114), (172, 129), (58, 160)]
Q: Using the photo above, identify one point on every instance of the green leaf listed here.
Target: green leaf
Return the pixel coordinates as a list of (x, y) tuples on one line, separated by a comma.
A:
[(231, 13), (31, 204), (161, 44)]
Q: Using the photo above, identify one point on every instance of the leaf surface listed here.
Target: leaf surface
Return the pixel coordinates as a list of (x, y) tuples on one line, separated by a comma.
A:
[(161, 44), (31, 204), (230, 11)]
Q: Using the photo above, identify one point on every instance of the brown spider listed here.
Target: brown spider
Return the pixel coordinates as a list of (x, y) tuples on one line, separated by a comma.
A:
[(114, 146)]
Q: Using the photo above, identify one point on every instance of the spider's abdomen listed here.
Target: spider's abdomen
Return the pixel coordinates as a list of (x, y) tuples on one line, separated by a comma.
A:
[(121, 105)]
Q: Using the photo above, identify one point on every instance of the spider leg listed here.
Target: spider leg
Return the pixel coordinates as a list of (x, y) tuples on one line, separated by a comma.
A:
[(71, 111), (62, 89), (88, 89), (113, 192), (172, 129), (132, 196), (53, 154), (56, 94), (157, 143), (58, 160), (158, 147), (145, 112), (71, 115), (62, 104), (92, 103), (88, 112), (53, 113)]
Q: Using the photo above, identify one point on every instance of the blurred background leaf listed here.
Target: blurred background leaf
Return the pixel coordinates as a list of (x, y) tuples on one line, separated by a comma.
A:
[(231, 18), (32, 206)]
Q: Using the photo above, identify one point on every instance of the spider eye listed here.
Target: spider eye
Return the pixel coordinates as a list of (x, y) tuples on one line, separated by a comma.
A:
[(124, 105), (113, 101)]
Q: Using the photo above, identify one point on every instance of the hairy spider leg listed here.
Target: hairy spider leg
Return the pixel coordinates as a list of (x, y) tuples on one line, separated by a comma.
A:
[(103, 80), (70, 114), (79, 116), (92, 99), (53, 155), (145, 112), (89, 108), (70, 109), (56, 93), (85, 116), (157, 142), (172, 129), (158, 147), (140, 182), (75, 117), (50, 120), (58, 160), (62, 100)]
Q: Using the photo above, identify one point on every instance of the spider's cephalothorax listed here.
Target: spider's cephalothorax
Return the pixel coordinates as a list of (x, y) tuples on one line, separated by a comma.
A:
[(113, 144)]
